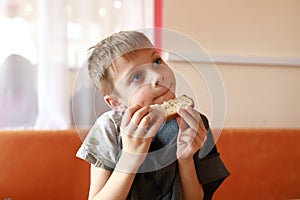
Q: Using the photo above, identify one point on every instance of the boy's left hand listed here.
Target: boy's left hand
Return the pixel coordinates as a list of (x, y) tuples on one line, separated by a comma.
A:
[(192, 133)]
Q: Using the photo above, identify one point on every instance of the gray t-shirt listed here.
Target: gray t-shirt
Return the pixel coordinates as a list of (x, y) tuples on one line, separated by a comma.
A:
[(158, 177)]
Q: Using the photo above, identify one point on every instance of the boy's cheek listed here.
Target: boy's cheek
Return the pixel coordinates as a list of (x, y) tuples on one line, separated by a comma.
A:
[(140, 97)]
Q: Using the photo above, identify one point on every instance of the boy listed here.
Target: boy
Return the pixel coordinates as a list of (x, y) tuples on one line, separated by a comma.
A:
[(134, 154)]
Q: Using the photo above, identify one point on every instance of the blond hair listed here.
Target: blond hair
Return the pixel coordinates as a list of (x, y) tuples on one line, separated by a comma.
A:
[(102, 56)]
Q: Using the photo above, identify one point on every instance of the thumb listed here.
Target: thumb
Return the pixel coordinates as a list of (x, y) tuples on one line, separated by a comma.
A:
[(182, 125)]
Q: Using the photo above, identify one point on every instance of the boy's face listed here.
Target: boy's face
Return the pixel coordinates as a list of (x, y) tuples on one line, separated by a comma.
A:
[(144, 79)]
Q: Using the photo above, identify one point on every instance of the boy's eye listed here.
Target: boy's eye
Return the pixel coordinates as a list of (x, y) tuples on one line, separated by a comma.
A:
[(157, 61), (136, 77)]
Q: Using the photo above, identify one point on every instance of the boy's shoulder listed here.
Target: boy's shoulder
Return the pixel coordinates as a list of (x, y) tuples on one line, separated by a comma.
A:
[(109, 117), (102, 144)]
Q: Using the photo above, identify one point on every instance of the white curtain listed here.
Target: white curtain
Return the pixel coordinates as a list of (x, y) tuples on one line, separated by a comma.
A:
[(53, 76), (61, 31)]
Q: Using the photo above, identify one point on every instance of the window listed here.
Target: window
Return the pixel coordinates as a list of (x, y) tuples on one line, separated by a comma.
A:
[(85, 24), (54, 37)]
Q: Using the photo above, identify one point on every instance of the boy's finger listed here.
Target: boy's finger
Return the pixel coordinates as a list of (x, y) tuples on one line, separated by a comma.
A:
[(182, 125), (188, 118), (128, 114), (139, 114), (153, 129), (188, 136), (194, 113), (200, 140)]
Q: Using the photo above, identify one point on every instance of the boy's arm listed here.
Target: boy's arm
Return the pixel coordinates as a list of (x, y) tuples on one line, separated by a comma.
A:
[(191, 188), (98, 178), (110, 185), (136, 142), (191, 137)]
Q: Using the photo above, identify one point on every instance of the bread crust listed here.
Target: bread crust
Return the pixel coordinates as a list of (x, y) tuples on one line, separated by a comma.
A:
[(169, 108)]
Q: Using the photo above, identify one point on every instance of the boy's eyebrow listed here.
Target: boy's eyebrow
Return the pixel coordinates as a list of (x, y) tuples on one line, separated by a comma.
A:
[(154, 52), (132, 68)]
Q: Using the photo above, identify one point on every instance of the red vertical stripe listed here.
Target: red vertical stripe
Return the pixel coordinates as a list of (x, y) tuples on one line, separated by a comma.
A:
[(158, 23)]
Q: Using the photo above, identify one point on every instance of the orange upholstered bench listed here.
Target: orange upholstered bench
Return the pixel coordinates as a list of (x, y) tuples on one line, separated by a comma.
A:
[(35, 165), (42, 165), (264, 164)]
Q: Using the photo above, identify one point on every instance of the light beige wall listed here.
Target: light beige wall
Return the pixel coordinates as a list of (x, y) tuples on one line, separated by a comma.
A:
[(258, 96)]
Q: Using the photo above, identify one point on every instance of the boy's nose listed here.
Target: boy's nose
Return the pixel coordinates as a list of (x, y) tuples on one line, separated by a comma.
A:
[(155, 83), (158, 80)]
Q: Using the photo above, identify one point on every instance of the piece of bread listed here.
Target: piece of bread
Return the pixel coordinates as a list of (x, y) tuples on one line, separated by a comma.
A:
[(169, 108)]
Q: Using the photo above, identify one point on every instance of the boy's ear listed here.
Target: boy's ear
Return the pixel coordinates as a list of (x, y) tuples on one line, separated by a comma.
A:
[(114, 103)]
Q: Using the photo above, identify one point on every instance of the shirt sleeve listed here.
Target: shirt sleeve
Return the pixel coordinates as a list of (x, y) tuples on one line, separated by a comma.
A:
[(101, 146), (211, 170)]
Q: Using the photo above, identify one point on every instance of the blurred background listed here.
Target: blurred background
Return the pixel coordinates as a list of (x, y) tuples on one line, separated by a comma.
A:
[(43, 48), (256, 47), (254, 44)]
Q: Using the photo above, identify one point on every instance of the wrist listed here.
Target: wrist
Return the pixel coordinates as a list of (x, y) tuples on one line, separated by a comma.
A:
[(130, 162), (185, 160)]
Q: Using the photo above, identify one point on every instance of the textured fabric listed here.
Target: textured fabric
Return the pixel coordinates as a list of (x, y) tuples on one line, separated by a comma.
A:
[(103, 143), (158, 176)]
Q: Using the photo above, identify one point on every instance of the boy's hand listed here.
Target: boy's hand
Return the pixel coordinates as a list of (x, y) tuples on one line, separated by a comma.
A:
[(136, 133), (192, 133)]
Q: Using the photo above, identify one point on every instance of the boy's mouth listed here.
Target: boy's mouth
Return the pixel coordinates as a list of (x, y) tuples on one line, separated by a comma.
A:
[(164, 96)]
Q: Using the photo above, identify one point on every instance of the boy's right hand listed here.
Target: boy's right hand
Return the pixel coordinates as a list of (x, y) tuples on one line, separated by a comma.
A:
[(135, 131)]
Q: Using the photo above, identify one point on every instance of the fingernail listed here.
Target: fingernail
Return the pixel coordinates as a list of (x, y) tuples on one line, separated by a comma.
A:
[(179, 110), (188, 108)]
